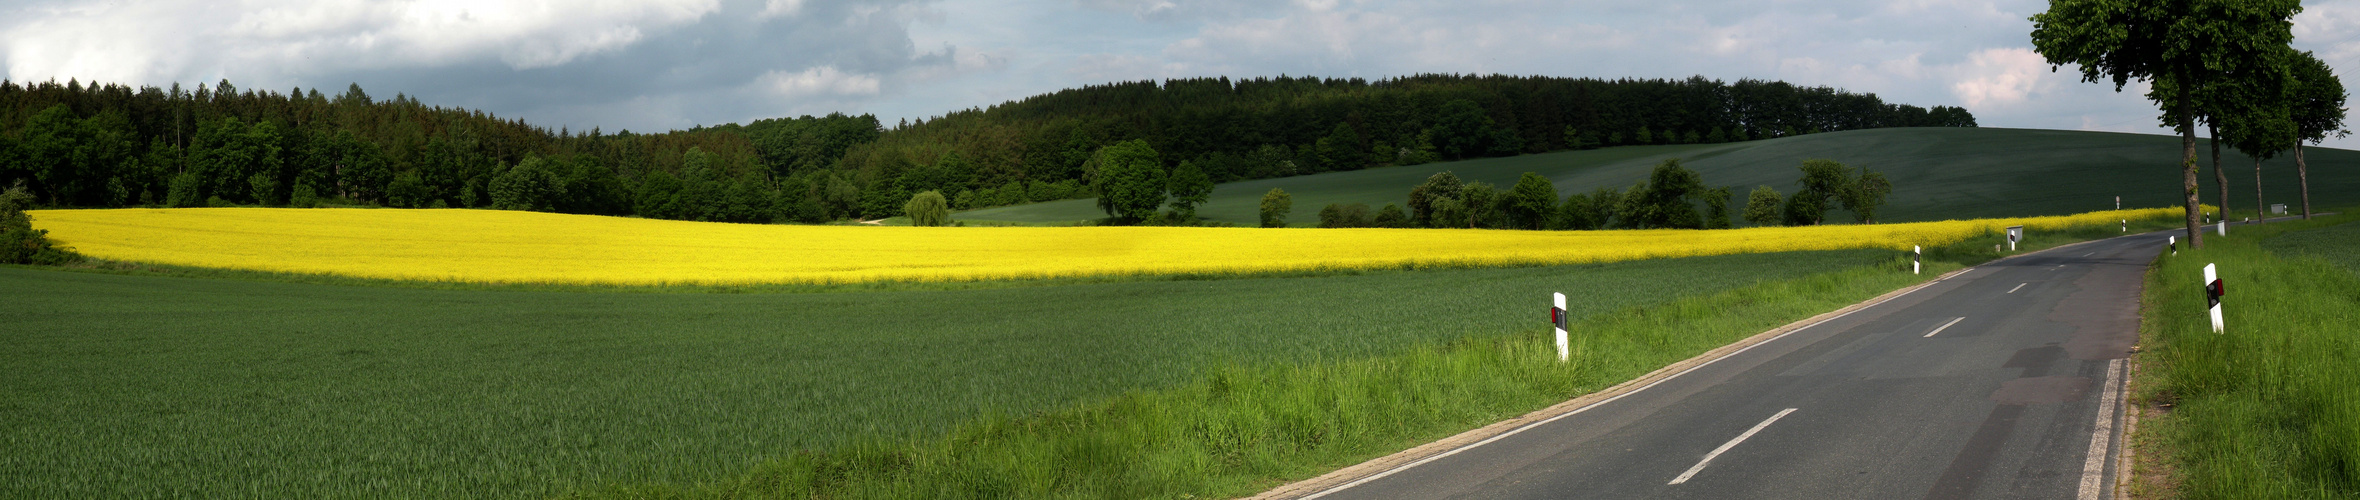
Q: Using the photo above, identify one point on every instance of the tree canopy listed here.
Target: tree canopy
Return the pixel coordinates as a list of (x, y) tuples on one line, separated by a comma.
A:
[(2189, 49), (94, 145)]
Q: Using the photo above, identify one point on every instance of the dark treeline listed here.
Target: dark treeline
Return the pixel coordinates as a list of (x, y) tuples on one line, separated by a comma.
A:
[(110, 145)]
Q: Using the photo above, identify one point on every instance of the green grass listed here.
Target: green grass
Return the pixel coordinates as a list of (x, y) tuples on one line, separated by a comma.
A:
[(2338, 244), (125, 385), (2271, 408), (1244, 429), (1937, 174)]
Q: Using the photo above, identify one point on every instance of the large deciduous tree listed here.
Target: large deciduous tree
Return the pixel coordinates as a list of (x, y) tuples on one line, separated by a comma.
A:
[(1190, 187), (1662, 201), (1762, 205), (1130, 180), (2183, 46), (1824, 183), (1532, 201), (1275, 205), (2316, 107), (1440, 186), (927, 209)]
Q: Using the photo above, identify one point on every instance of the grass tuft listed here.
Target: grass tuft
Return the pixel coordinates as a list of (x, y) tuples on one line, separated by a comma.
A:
[(2271, 408)]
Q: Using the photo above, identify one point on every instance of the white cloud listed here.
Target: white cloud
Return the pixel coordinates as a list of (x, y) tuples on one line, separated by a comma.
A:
[(780, 8), (154, 41), (823, 81), (2000, 77)]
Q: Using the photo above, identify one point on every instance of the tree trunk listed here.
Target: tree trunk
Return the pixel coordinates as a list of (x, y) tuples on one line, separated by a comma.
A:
[(2188, 169), (2258, 214), (2220, 178), (2302, 172)]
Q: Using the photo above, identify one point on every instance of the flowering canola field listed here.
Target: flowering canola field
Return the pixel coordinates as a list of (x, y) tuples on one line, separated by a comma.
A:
[(529, 247)]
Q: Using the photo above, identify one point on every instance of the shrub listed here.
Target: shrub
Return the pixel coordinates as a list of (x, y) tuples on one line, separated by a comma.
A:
[(304, 197), (527, 186), (1275, 205), (1391, 216), (187, 191), (1342, 215), (1762, 207), (928, 209), (19, 242)]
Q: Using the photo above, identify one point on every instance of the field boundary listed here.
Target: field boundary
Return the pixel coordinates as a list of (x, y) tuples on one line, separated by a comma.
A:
[(1406, 459)]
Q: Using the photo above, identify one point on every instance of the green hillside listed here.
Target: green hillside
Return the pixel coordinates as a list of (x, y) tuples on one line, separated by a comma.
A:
[(1937, 173)]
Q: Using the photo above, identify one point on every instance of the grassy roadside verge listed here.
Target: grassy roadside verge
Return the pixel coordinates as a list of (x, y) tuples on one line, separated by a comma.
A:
[(2271, 408), (1245, 429)]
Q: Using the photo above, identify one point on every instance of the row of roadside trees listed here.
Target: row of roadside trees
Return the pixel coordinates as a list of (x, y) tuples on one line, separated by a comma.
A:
[(2226, 64)]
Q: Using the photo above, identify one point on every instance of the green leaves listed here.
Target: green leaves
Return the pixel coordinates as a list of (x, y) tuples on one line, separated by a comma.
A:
[(1130, 180), (1275, 205)]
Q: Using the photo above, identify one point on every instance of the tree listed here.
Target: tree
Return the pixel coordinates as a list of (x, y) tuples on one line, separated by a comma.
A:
[(2182, 46), (527, 186), (1441, 185), (1824, 182), (2260, 131), (1576, 213), (1275, 205), (2316, 106), (19, 242), (1805, 210), (1532, 201), (1190, 188), (1661, 201), (1339, 215), (1462, 129), (1340, 150), (1716, 207), (1863, 195), (1130, 180), (1391, 217), (928, 209), (1605, 207), (1762, 206), (1482, 202)]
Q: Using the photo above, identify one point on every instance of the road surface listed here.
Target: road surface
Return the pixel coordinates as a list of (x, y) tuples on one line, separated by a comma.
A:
[(1999, 382)]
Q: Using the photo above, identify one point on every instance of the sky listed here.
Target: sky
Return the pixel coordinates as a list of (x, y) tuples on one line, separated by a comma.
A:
[(651, 65)]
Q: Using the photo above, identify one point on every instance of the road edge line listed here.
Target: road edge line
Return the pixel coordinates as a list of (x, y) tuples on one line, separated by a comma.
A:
[(2098, 459), (1388, 465)]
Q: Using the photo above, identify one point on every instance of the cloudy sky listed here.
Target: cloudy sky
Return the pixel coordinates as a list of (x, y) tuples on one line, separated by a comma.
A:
[(666, 64)]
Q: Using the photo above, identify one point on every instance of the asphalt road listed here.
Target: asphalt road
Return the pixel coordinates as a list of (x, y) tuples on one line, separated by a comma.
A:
[(1993, 383)]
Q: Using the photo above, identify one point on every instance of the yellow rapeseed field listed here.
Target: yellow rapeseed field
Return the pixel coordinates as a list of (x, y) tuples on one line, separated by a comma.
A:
[(511, 247)]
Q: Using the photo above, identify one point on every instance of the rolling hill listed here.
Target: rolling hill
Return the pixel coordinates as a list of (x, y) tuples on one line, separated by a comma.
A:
[(1937, 173)]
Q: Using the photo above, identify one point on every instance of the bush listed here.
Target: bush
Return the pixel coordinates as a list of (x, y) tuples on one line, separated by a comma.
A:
[(1275, 205), (304, 197), (928, 209), (1763, 206), (19, 242), (187, 191), (1342, 215), (527, 186), (1391, 216)]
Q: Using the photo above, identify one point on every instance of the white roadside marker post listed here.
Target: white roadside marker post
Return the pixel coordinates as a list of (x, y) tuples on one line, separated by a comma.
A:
[(1557, 316), (2126, 225), (2118, 202), (2212, 296), (1917, 259), (2173, 242)]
